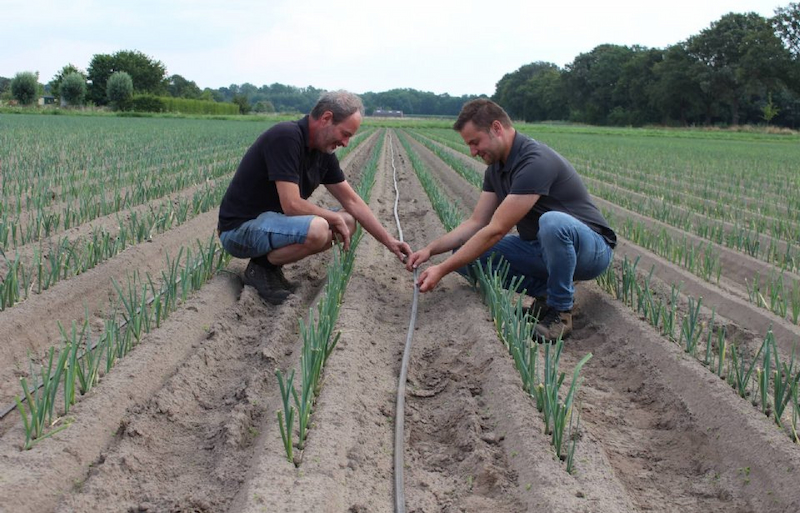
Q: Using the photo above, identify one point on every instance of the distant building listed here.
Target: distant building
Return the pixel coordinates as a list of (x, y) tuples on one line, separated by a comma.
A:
[(47, 100), (388, 113)]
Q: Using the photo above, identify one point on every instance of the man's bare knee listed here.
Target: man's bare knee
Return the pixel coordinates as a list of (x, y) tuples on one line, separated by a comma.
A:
[(319, 234)]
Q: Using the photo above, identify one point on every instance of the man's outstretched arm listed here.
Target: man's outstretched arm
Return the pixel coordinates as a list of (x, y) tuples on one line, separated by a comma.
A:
[(508, 213), (356, 206)]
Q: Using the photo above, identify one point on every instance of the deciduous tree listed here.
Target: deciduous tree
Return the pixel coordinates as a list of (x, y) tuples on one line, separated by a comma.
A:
[(787, 24), (73, 88), (25, 87), (119, 90), (180, 87), (676, 92), (55, 83), (592, 82), (741, 56), (147, 75)]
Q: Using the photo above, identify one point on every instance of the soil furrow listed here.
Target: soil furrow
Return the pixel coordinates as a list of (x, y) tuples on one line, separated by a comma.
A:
[(23, 333), (653, 431)]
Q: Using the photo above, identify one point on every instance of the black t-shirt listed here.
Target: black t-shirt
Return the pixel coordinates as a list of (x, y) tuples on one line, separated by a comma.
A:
[(534, 168), (279, 154)]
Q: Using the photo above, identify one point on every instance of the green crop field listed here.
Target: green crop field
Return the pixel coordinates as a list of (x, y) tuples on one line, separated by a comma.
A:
[(127, 338)]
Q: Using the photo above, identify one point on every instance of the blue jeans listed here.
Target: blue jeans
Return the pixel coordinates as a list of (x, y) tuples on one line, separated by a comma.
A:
[(565, 250), (267, 232)]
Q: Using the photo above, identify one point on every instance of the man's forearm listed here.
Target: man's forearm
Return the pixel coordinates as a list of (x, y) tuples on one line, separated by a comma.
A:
[(362, 213), (477, 245), (454, 239), (303, 207)]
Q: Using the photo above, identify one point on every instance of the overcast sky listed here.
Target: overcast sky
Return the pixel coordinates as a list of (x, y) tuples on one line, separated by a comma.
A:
[(444, 46)]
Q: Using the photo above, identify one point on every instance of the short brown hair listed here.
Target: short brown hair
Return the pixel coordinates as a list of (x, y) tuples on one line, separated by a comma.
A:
[(482, 113)]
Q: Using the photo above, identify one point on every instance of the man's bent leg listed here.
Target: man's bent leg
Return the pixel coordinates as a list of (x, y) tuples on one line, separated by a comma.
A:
[(318, 239), (258, 239), (572, 251), (525, 260)]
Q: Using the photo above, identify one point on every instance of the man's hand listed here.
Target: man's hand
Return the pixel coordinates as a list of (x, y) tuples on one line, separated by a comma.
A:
[(401, 249), (340, 230), (429, 278), (418, 258)]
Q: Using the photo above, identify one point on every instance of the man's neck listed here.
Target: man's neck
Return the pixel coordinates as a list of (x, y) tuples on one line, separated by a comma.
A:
[(509, 145)]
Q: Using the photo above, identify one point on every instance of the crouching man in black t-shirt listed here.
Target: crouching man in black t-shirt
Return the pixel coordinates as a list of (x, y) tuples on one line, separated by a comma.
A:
[(562, 235), (266, 216)]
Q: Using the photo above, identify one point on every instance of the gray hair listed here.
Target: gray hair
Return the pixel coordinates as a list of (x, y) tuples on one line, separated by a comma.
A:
[(341, 103)]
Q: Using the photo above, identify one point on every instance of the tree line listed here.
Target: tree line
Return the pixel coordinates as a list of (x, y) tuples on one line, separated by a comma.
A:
[(743, 68), (130, 79)]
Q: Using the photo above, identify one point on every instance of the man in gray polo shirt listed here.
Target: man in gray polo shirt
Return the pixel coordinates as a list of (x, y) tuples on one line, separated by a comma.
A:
[(562, 234)]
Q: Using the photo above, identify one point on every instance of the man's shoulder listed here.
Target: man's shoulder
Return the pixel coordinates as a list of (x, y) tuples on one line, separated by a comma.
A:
[(537, 154), (283, 129), (286, 135), (529, 147)]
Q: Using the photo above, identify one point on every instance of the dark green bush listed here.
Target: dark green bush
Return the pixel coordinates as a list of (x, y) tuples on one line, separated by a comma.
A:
[(148, 103)]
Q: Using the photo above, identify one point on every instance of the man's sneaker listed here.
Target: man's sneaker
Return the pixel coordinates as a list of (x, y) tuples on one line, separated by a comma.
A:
[(269, 283), (554, 324)]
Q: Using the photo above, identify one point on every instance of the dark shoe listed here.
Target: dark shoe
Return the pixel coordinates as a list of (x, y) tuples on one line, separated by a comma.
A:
[(288, 285), (269, 266), (267, 282), (554, 325), (538, 308)]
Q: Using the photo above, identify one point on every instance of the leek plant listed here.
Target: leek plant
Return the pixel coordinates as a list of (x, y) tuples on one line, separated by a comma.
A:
[(317, 332), (573, 437), (609, 282), (286, 416), (41, 399), (763, 374), (722, 348), (473, 177), (10, 286), (709, 338), (740, 371), (776, 382), (561, 411), (449, 213), (784, 379), (691, 330), (628, 281), (795, 411), (70, 348), (515, 328)]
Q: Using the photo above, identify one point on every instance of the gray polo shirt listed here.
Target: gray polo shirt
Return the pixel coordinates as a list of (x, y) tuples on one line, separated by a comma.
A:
[(534, 168)]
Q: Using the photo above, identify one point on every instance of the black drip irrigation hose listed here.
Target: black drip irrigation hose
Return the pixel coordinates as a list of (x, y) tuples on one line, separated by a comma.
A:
[(399, 420)]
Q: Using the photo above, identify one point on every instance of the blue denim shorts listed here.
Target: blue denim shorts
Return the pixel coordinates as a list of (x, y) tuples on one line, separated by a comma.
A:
[(265, 233)]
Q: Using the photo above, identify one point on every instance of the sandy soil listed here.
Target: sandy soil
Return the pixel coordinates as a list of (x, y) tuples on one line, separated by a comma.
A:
[(187, 421)]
